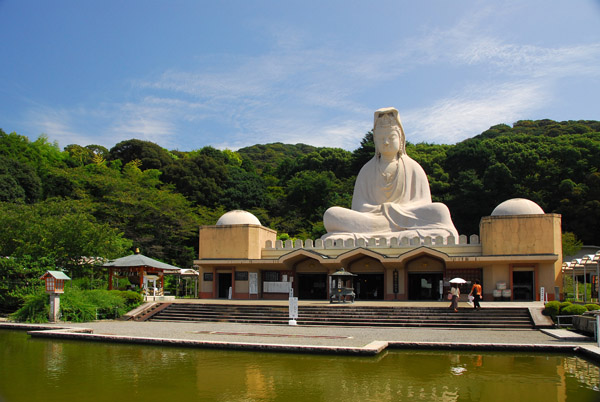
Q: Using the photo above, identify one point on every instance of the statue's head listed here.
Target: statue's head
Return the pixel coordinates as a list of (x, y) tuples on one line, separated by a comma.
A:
[(388, 133)]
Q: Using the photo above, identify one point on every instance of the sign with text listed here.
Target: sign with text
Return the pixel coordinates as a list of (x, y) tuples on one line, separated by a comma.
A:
[(293, 308), (253, 283)]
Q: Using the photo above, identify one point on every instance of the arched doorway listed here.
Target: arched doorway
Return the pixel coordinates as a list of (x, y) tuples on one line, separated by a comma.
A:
[(369, 282), (424, 277), (311, 279)]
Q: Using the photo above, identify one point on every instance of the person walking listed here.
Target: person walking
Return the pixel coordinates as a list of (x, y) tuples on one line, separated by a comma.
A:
[(455, 292), (476, 293)]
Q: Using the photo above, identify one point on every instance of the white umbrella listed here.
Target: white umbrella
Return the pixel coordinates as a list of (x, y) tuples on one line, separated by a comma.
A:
[(457, 280)]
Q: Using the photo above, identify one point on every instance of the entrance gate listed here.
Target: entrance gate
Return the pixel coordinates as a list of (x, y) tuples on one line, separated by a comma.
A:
[(312, 286), (369, 287), (424, 286), (224, 282), (523, 285)]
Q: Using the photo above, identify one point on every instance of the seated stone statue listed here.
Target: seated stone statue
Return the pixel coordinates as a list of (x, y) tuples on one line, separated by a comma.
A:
[(391, 194)]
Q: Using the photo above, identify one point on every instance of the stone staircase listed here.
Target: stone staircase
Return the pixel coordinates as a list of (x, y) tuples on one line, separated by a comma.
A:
[(348, 315)]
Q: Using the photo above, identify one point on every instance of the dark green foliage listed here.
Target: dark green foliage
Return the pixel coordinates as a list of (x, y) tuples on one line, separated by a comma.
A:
[(570, 244), (564, 305), (36, 308), (19, 182), (267, 158), (80, 306), (199, 177), (77, 305), (244, 190), (61, 230), (574, 309), (132, 299), (552, 308), (20, 277), (150, 155), (364, 153), (592, 307)]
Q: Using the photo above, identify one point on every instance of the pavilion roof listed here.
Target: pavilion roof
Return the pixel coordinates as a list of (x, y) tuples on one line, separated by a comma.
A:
[(139, 260), (588, 261)]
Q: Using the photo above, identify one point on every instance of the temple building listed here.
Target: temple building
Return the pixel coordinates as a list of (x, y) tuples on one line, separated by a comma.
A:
[(517, 253), (398, 242)]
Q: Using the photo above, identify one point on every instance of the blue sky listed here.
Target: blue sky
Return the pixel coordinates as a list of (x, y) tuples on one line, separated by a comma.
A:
[(186, 74)]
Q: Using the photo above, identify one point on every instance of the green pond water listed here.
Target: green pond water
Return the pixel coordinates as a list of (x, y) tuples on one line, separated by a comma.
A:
[(53, 370)]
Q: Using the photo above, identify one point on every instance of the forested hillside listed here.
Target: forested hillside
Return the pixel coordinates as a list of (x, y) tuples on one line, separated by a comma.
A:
[(85, 200)]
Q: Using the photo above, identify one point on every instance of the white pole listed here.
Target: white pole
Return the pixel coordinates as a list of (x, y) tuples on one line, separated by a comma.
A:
[(584, 283), (597, 328), (573, 268)]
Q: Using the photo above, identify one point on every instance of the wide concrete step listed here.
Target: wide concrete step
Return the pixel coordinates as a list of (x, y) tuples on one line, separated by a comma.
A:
[(345, 310), (413, 323), (469, 315), (348, 316)]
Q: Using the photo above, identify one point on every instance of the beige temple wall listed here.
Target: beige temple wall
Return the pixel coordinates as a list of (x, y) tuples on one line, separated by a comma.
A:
[(425, 264), (389, 284), (492, 274), (521, 234), (549, 278), (526, 235), (311, 267), (366, 265), (205, 287), (241, 288), (509, 239), (234, 241)]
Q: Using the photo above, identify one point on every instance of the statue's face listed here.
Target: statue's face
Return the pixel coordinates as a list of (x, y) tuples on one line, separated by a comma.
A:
[(387, 140)]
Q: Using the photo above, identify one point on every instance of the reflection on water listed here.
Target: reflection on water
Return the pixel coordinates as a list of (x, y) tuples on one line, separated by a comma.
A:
[(51, 370)]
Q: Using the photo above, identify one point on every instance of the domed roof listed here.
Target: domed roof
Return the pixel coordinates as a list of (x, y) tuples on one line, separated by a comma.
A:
[(518, 206), (238, 217)]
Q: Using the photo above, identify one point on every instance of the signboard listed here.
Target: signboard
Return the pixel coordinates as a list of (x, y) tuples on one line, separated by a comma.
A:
[(293, 310), (253, 283), (276, 287), (395, 282), (543, 296)]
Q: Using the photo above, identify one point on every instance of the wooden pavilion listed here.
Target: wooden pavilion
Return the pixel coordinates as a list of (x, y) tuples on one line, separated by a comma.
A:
[(142, 270)]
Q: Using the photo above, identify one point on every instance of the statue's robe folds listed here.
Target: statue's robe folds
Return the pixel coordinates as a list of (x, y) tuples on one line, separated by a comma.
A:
[(398, 206)]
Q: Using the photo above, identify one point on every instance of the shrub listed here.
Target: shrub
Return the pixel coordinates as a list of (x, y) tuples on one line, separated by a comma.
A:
[(552, 309), (592, 307), (564, 305), (573, 309), (75, 306), (79, 305), (132, 299), (35, 309)]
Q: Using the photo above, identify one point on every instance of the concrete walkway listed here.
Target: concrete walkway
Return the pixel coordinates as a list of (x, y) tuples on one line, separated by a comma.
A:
[(312, 339)]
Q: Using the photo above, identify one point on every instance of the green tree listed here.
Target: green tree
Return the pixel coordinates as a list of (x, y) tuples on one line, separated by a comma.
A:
[(151, 155), (64, 231), (570, 244)]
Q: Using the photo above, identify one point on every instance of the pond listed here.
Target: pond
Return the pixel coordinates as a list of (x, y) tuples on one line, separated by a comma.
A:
[(34, 369)]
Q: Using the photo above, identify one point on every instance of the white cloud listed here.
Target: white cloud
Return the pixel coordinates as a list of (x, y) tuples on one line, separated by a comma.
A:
[(58, 124), (322, 94), (454, 119)]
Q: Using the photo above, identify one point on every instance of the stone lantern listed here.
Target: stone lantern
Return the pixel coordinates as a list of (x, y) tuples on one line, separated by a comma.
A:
[(55, 285), (342, 286)]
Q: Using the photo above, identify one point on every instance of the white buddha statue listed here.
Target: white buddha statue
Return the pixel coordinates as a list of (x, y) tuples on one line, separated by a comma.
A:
[(391, 194)]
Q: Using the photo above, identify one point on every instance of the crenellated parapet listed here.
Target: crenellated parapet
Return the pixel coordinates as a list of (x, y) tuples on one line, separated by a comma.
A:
[(373, 242)]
